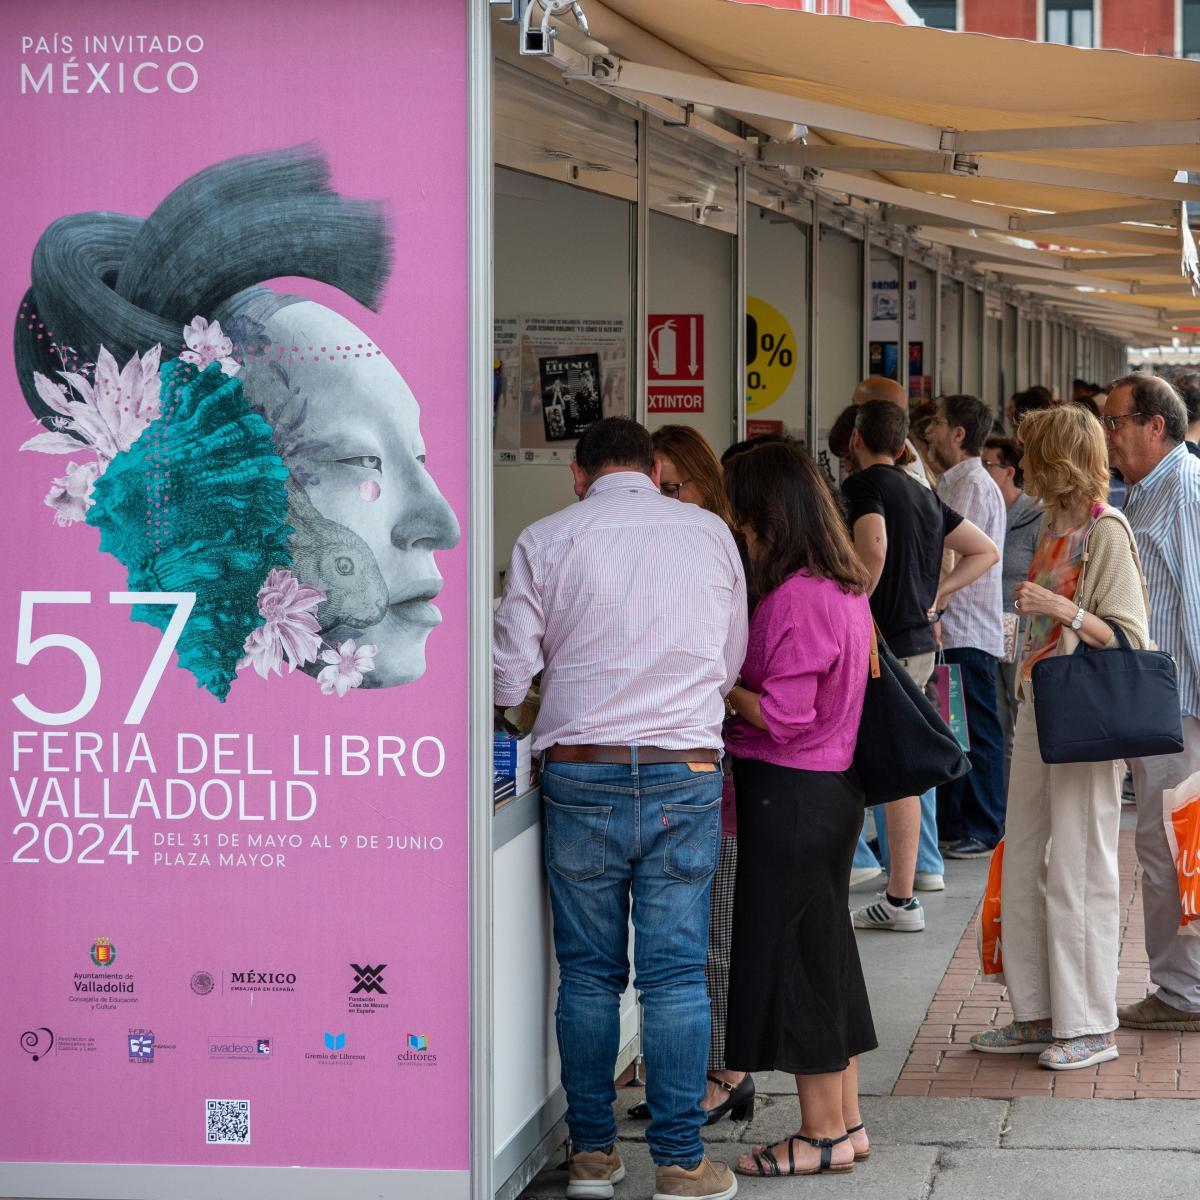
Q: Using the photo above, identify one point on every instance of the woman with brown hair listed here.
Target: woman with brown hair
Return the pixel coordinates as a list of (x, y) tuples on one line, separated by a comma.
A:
[(1059, 895), (797, 1000), (691, 472)]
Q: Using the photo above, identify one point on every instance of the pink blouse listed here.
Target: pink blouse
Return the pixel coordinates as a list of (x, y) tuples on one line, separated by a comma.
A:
[(808, 654)]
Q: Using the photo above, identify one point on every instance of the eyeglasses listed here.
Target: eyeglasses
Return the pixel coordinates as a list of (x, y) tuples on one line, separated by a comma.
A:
[(938, 420), (994, 466), (1113, 422), (673, 489)]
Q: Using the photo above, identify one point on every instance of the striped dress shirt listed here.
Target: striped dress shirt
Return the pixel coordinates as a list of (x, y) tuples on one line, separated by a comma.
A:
[(974, 617), (633, 606), (1164, 511)]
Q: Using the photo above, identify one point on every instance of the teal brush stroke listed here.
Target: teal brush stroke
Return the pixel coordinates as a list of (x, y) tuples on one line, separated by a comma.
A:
[(206, 469)]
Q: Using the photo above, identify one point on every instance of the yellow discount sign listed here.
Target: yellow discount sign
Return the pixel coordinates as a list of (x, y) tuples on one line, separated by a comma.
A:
[(770, 354)]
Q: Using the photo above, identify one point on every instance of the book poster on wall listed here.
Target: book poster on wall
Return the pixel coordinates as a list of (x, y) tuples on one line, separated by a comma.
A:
[(559, 375)]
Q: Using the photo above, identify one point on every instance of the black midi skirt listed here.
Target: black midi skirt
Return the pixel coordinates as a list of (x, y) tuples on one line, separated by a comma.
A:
[(797, 998)]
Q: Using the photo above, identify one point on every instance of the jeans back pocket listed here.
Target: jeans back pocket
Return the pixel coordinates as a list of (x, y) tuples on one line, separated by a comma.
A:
[(575, 836), (693, 841)]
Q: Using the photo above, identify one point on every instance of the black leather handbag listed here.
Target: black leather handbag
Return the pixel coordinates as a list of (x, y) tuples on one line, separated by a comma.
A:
[(1097, 705), (904, 747)]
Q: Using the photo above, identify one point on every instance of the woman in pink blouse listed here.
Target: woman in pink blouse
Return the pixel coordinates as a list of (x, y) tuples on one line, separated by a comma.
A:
[(797, 999)]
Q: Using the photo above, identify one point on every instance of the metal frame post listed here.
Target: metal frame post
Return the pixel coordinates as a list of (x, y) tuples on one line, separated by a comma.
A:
[(641, 277), (935, 375), (903, 378), (740, 280), (480, 552), (864, 365), (812, 283)]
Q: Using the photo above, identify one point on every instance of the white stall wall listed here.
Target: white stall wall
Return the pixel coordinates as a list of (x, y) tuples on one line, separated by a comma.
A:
[(972, 364), (560, 250), (691, 272), (777, 274), (921, 281), (839, 328), (951, 331)]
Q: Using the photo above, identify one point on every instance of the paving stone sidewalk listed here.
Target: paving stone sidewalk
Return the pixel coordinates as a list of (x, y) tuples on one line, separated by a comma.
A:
[(1152, 1064), (948, 1124)]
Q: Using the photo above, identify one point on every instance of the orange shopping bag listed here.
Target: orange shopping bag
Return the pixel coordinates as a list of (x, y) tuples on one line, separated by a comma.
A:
[(1181, 817), (987, 933)]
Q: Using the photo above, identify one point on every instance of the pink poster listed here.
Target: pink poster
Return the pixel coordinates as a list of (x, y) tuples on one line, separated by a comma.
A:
[(234, 604)]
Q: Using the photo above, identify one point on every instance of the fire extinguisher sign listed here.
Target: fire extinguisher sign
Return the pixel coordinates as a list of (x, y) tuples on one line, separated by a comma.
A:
[(675, 352)]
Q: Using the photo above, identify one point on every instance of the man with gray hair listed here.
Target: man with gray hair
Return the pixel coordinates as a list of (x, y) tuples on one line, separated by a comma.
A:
[(1145, 422)]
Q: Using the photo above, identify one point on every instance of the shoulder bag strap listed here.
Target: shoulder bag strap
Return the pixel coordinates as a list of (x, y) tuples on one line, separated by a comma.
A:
[(1115, 515)]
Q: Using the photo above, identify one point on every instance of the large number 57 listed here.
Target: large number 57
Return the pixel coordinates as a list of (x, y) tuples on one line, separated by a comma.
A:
[(28, 647)]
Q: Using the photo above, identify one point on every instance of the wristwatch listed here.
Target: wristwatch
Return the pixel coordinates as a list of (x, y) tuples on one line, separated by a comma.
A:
[(1077, 620)]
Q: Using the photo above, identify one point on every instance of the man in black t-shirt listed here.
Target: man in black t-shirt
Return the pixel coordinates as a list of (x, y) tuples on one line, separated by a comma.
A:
[(901, 531)]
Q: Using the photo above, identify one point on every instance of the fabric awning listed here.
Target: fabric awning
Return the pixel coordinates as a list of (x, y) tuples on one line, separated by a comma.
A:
[(1050, 166)]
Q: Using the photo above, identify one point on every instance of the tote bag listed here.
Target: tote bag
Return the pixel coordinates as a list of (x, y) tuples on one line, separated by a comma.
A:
[(904, 747)]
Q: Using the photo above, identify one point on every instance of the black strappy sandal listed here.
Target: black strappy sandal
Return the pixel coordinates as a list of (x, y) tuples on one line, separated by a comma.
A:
[(766, 1164), (866, 1153)]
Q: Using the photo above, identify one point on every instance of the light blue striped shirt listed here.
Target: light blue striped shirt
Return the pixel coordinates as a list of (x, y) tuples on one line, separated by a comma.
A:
[(1164, 511)]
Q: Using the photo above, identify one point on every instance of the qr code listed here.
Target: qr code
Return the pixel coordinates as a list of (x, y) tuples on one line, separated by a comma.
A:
[(227, 1122)]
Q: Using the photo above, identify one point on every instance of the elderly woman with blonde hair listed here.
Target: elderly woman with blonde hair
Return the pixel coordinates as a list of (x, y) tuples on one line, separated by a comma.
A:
[(1059, 897)]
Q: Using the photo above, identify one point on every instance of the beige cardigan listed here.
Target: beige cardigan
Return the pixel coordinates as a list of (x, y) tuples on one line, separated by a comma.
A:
[(1111, 585)]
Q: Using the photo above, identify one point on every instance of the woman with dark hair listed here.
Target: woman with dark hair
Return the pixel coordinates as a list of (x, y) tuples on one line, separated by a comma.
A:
[(254, 448), (797, 1000)]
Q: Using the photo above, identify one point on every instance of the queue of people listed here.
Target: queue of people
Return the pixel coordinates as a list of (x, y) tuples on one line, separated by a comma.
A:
[(704, 632)]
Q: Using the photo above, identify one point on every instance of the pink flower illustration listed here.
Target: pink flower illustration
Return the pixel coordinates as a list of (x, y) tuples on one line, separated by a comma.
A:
[(71, 495), (346, 666), (207, 344), (110, 412), (291, 631)]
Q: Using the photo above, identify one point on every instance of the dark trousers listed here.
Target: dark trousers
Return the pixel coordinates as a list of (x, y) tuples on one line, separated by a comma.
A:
[(973, 806)]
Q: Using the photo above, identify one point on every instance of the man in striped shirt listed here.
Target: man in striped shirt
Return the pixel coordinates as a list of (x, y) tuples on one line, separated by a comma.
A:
[(633, 607), (1145, 422)]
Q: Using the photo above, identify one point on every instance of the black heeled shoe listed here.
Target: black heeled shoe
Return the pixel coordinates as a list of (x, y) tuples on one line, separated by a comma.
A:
[(739, 1103)]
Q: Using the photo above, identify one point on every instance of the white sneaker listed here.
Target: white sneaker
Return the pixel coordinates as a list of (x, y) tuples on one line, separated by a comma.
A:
[(908, 918), (861, 875), (929, 881)]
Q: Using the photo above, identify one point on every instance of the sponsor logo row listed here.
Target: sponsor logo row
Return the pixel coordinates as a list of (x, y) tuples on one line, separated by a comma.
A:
[(142, 1045), (106, 988)]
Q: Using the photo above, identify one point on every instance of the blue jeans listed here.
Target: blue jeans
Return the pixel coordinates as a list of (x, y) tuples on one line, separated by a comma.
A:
[(929, 857), (974, 806), (653, 833)]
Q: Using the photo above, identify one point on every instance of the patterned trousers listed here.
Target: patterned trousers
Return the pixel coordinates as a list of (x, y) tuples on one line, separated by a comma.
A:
[(720, 934)]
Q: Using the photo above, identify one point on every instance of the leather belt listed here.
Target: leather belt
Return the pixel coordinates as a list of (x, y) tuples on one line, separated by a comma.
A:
[(647, 755)]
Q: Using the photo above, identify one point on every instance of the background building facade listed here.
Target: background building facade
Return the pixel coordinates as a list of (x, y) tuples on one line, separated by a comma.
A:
[(1167, 27)]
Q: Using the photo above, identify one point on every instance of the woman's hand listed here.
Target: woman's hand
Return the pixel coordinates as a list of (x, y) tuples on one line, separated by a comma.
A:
[(1033, 600), (747, 705)]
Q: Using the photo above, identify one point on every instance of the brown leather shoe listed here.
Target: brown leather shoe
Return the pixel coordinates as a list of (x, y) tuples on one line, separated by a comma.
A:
[(592, 1173), (1153, 1013), (707, 1180)]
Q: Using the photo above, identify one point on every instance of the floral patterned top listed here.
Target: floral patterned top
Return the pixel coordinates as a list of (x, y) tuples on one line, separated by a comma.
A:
[(1057, 562)]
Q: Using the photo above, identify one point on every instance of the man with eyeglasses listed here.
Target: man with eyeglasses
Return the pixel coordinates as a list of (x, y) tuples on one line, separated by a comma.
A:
[(1145, 422)]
